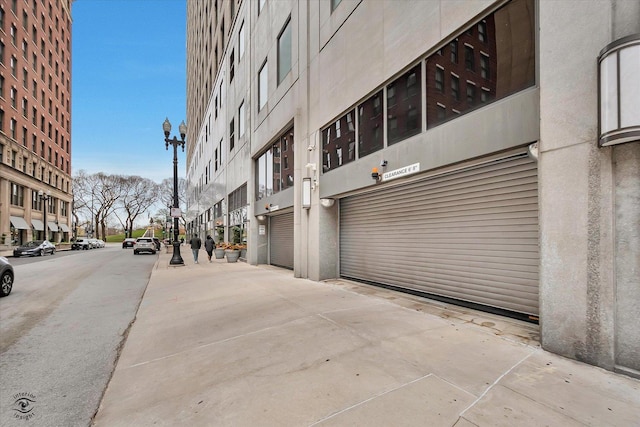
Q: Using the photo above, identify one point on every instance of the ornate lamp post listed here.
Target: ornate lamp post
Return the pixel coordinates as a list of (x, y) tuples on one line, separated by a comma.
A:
[(45, 197), (176, 259)]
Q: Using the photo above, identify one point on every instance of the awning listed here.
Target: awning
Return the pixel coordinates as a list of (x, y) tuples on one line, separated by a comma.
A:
[(65, 228), (52, 226), (37, 224), (19, 223)]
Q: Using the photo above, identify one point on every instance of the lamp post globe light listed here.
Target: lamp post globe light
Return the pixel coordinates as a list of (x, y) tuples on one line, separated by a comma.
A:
[(176, 259), (45, 197)]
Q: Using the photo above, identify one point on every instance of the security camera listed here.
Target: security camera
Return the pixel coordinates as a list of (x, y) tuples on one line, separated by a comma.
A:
[(310, 148)]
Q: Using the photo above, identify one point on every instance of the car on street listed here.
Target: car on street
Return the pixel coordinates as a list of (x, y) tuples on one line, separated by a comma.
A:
[(128, 242), (144, 244), (6, 277), (81, 243), (101, 243), (35, 248), (94, 243)]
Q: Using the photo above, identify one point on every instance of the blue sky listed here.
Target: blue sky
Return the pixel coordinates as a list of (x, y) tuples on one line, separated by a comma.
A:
[(129, 71)]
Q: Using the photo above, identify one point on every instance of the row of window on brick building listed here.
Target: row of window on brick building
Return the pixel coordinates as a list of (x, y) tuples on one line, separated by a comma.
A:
[(17, 199)]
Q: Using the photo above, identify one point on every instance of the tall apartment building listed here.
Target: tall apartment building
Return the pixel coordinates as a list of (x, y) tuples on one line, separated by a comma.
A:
[(35, 120), (481, 152)]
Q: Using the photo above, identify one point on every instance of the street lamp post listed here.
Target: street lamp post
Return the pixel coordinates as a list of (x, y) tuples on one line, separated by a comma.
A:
[(45, 197), (176, 259)]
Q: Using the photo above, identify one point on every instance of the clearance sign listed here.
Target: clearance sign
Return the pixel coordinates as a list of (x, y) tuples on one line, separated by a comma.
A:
[(407, 170)]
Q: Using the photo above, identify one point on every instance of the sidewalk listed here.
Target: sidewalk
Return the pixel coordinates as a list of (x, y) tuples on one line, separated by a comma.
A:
[(229, 344)]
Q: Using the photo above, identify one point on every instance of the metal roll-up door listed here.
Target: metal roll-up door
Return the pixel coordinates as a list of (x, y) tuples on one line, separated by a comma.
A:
[(281, 240), (469, 235)]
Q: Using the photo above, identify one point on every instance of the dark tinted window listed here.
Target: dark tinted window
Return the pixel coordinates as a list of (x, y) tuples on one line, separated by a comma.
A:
[(339, 142), (404, 106), (499, 60), (370, 125)]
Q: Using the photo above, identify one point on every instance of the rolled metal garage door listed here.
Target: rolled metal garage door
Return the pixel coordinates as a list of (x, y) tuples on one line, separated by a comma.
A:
[(281, 240), (469, 235)]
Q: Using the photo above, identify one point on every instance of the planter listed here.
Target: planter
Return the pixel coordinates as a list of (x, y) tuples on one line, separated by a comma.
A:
[(219, 253), (243, 253), (232, 255)]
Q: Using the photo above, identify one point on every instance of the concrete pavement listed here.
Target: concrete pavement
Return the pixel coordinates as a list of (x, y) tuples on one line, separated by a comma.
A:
[(229, 344)]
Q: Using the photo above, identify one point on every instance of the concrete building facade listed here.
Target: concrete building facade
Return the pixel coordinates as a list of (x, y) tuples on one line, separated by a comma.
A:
[(449, 149), (35, 121)]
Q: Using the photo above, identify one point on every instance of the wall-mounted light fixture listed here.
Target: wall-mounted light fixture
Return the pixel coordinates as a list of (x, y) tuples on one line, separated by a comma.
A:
[(327, 203), (374, 174), (306, 193), (619, 91), (532, 151), (260, 218)]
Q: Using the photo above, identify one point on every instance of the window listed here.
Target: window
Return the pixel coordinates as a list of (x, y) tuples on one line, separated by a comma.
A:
[(241, 120), (439, 78), (482, 31), (231, 65), (339, 142), (13, 94), (468, 58), (231, 139), (12, 128), (455, 87), (284, 51), (471, 94), (262, 86), (241, 42), (453, 47), (370, 125), (484, 66), (405, 115), (14, 65), (506, 63), (274, 168), (1, 86), (334, 4), (17, 194), (260, 6), (485, 95)]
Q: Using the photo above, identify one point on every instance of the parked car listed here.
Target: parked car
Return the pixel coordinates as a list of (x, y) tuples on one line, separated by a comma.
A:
[(6, 277), (81, 243), (157, 242), (101, 243), (35, 248), (93, 243), (144, 244)]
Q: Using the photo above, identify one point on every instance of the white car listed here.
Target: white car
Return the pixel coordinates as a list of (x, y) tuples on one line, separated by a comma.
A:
[(144, 244)]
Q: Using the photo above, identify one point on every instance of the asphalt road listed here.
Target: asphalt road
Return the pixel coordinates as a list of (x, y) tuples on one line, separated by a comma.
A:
[(60, 332)]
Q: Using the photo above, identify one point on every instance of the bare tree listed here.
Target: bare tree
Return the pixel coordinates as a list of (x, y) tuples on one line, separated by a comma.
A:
[(108, 190), (138, 195)]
